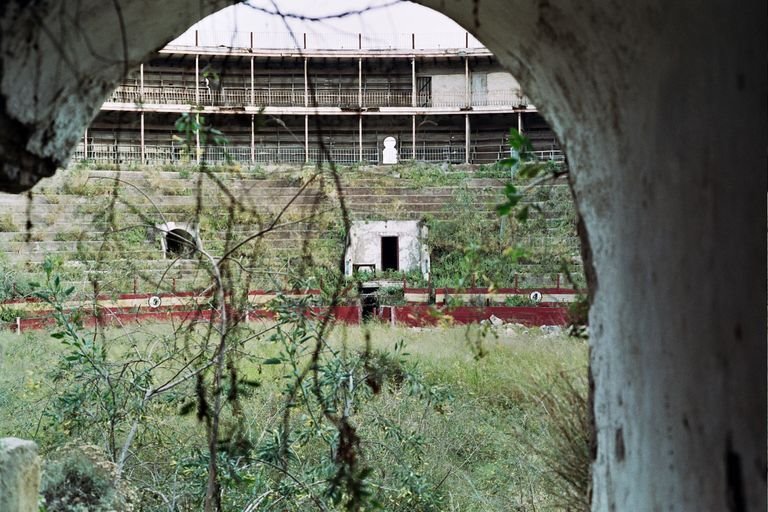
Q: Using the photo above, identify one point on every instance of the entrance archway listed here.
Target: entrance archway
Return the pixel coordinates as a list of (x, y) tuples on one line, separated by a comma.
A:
[(662, 110), (179, 244)]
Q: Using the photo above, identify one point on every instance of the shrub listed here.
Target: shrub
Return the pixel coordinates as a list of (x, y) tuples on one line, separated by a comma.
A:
[(518, 300), (80, 479), (567, 452)]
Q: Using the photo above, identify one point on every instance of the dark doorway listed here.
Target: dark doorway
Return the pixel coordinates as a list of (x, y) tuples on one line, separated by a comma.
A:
[(369, 301), (389, 253), (180, 244)]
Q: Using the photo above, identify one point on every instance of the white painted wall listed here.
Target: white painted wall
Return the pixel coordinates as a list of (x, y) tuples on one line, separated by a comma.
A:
[(365, 244), (448, 87), (501, 81)]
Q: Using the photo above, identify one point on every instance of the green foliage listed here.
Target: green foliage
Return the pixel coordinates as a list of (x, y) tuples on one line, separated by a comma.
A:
[(12, 285), (10, 314), (80, 479), (519, 300), (473, 250), (444, 431), (390, 296)]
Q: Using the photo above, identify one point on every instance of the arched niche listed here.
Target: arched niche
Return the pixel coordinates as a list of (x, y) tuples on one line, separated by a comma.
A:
[(661, 108)]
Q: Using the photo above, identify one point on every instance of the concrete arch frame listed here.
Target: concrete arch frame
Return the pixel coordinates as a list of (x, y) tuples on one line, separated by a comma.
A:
[(661, 107)]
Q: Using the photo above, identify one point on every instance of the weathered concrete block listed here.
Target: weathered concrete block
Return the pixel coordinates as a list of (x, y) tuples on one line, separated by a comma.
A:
[(19, 475)]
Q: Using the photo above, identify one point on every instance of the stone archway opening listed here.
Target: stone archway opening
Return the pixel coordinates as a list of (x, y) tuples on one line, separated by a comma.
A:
[(180, 243), (178, 240), (678, 338)]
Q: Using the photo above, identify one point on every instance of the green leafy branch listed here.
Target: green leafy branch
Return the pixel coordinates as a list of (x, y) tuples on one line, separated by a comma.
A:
[(523, 164)]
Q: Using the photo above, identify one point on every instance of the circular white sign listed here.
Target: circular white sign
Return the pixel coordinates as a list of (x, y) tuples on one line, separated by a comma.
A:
[(536, 296), (154, 301)]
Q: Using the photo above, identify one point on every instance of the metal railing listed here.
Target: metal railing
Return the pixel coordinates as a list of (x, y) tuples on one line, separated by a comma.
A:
[(290, 154), (373, 98), (343, 98)]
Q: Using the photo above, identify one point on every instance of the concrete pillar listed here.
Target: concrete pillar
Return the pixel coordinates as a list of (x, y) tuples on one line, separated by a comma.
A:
[(306, 138), (414, 98), (253, 138), (413, 137), (360, 83), (253, 85), (19, 475), (197, 101), (360, 135), (141, 96), (306, 83), (467, 144), (141, 141)]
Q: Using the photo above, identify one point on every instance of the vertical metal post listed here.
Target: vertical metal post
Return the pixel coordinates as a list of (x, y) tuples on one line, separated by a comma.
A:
[(360, 134), (253, 139), (306, 138), (197, 102), (306, 83), (197, 79), (413, 82), (413, 137), (85, 145), (141, 96), (360, 82), (253, 90), (466, 138), (143, 154), (198, 151), (519, 121)]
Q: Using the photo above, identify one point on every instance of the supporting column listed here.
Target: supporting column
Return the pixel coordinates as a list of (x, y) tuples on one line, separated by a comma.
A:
[(85, 145), (197, 102), (519, 121), (413, 82), (306, 84), (413, 137), (253, 91), (466, 138), (360, 82), (253, 137), (306, 138), (360, 134), (141, 96), (197, 74), (143, 153)]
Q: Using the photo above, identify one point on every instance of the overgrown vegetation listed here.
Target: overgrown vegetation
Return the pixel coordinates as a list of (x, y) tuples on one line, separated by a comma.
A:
[(437, 429), (283, 414)]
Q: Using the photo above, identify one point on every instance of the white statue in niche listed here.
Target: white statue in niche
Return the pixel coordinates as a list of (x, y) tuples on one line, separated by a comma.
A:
[(389, 155)]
